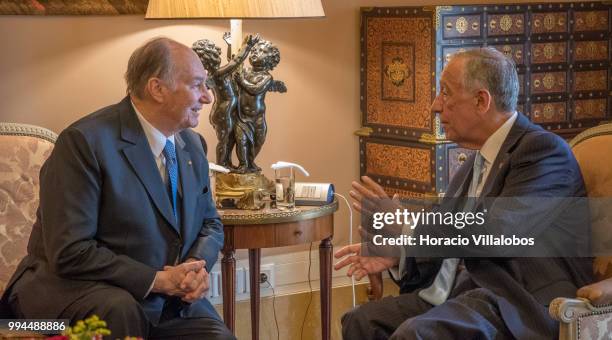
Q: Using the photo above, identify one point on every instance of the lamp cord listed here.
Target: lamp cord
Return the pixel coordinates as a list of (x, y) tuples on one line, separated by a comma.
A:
[(274, 309), (350, 241)]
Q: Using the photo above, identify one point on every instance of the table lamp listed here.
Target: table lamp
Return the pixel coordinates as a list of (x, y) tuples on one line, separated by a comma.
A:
[(235, 10)]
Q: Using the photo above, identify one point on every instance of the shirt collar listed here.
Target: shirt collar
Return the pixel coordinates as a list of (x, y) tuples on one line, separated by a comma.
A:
[(157, 140), (491, 147)]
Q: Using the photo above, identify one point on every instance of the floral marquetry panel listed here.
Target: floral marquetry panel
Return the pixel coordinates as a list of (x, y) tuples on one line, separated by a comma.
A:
[(590, 109), (398, 70), (398, 161), (591, 50), (549, 82), (590, 21), (397, 75), (506, 24), (591, 80), (418, 167), (549, 112), (462, 26), (544, 53), (554, 22)]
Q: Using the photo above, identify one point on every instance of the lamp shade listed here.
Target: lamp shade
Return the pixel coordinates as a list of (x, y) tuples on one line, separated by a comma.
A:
[(233, 9)]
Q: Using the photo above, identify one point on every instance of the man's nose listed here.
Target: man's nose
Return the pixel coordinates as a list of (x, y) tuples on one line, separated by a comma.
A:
[(436, 106), (206, 97)]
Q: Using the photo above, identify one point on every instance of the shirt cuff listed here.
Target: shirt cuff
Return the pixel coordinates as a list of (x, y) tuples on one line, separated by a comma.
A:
[(398, 272), (150, 287)]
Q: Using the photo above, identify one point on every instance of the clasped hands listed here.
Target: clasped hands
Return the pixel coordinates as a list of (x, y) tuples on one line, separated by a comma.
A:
[(188, 280), (368, 197)]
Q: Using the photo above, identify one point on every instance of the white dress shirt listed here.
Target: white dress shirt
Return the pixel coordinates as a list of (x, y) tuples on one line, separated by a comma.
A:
[(157, 142), (491, 147), (489, 151)]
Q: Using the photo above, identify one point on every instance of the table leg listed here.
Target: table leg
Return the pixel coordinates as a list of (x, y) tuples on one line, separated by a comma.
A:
[(228, 275), (254, 264), (325, 265)]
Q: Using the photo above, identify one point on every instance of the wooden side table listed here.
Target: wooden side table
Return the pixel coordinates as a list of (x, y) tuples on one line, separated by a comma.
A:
[(269, 228)]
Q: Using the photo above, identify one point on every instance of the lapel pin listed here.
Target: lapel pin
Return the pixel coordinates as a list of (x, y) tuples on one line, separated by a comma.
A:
[(189, 163)]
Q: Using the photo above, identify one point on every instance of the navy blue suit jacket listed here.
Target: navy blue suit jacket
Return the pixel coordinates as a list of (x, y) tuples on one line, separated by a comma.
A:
[(531, 163), (105, 217)]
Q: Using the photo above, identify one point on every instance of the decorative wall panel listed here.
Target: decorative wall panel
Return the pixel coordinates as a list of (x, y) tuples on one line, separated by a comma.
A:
[(397, 71), (562, 52)]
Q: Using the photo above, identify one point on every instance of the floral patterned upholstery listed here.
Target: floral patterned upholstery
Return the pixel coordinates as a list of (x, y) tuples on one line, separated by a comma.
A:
[(23, 150), (595, 326)]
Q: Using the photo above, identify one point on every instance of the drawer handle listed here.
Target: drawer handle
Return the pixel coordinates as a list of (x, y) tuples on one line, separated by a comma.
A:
[(297, 233)]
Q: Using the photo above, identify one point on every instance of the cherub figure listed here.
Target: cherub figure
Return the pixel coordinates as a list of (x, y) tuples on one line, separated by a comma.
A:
[(224, 109), (250, 129)]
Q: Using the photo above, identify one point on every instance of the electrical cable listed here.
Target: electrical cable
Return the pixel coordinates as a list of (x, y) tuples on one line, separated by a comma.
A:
[(274, 308), (350, 240), (310, 291)]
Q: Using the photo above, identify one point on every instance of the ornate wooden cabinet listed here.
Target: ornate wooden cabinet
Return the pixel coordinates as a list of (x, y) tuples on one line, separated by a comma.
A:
[(562, 52)]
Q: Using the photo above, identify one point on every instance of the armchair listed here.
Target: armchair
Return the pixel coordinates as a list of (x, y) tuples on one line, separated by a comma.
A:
[(23, 150), (580, 318)]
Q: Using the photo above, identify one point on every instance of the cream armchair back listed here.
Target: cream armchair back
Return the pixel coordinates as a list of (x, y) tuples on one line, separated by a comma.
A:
[(578, 318), (23, 150)]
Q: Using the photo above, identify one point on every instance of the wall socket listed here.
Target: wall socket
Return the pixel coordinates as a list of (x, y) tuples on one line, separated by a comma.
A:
[(266, 274), (243, 282), (265, 271)]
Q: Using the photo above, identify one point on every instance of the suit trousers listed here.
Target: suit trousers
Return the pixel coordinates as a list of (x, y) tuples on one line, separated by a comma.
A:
[(469, 313), (125, 317)]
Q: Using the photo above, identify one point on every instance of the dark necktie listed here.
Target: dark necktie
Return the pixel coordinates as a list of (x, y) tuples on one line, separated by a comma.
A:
[(172, 171)]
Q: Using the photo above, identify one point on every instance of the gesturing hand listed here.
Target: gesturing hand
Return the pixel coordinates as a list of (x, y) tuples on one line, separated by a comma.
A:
[(599, 293), (361, 266), (370, 197)]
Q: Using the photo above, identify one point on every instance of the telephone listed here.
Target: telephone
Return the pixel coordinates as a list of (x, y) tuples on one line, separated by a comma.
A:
[(313, 193)]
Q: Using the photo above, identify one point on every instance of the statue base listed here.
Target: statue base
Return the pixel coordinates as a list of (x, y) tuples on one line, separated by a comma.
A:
[(242, 191)]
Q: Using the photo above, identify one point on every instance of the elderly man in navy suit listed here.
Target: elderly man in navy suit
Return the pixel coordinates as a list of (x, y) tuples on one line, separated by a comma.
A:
[(483, 297), (126, 227)]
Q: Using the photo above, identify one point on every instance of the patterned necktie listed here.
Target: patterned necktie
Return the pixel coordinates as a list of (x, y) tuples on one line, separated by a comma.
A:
[(477, 174), (172, 171), (440, 289)]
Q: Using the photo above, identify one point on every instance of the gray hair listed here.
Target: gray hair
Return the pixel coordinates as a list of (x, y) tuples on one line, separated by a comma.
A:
[(151, 60), (491, 69)]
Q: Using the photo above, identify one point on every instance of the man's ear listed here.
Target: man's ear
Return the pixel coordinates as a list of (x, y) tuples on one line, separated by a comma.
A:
[(156, 89), (484, 100)]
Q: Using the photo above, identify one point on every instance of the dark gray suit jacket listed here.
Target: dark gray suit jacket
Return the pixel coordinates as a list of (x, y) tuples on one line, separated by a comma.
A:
[(105, 217), (531, 163)]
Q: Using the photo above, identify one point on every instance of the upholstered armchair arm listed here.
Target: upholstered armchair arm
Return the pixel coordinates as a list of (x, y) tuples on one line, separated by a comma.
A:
[(579, 319)]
